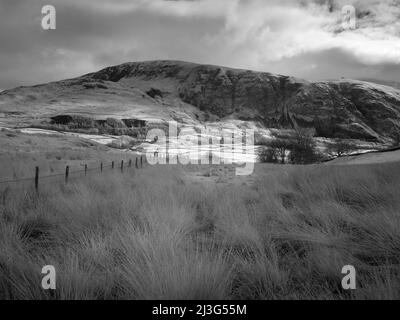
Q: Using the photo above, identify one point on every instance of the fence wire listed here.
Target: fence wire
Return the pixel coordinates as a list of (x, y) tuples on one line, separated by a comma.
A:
[(126, 164)]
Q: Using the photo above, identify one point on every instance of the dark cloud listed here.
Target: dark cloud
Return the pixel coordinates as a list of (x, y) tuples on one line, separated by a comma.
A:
[(286, 36)]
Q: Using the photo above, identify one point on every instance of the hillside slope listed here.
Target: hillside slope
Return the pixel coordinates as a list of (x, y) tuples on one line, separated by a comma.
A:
[(193, 93)]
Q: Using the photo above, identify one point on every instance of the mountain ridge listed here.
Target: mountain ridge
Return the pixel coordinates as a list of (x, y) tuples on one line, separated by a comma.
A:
[(190, 93)]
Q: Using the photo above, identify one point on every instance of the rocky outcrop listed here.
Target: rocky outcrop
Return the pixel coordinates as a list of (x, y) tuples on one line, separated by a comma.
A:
[(346, 108)]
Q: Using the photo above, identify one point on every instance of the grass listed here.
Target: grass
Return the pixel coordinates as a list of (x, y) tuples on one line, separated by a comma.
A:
[(21, 153), (156, 234)]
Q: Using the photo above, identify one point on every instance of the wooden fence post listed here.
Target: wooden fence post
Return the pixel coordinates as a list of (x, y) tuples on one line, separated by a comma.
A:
[(37, 178), (130, 163), (66, 174), (101, 167), (122, 165), (141, 161), (136, 163), (85, 169), (112, 165)]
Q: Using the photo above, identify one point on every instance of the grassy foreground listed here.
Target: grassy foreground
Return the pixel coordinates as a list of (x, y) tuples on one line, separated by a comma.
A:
[(155, 234)]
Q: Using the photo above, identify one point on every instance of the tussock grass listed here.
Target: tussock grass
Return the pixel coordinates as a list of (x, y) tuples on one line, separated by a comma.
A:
[(153, 234)]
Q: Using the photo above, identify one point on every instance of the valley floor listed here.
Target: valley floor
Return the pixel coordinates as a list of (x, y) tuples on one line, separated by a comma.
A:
[(195, 232)]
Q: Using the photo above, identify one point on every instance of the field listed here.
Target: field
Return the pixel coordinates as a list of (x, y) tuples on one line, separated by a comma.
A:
[(198, 232)]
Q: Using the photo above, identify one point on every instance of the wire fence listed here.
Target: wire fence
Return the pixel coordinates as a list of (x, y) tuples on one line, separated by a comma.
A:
[(137, 162)]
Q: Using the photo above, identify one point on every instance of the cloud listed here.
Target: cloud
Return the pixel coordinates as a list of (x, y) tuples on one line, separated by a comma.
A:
[(287, 29), (254, 34)]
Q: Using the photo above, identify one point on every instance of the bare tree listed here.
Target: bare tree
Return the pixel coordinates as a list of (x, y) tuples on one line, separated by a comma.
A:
[(275, 151), (303, 149)]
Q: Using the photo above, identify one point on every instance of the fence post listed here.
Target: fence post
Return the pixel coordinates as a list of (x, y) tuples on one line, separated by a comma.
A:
[(37, 178), (112, 165), (141, 161), (130, 163), (85, 169), (136, 163), (66, 174), (122, 165), (101, 167)]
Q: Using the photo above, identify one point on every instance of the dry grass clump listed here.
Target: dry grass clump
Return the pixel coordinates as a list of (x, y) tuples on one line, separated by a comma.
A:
[(152, 234)]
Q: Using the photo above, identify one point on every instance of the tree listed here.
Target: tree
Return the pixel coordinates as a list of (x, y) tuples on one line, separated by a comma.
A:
[(340, 148), (300, 148), (303, 149), (275, 151), (282, 148)]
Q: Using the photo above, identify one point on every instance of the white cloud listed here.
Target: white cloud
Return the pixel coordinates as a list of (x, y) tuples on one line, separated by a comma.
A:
[(275, 30), (268, 31)]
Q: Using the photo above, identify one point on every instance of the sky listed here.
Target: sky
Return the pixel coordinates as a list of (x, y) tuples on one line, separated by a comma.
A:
[(302, 38)]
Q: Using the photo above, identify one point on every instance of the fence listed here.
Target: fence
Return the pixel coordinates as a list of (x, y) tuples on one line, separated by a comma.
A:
[(138, 163)]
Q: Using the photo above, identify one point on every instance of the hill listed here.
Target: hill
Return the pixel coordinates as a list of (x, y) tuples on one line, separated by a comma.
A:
[(193, 93)]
